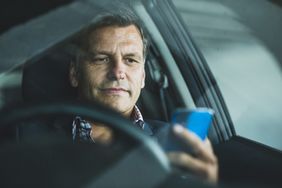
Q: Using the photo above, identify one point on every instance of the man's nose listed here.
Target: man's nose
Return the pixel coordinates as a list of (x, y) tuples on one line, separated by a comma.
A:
[(117, 69)]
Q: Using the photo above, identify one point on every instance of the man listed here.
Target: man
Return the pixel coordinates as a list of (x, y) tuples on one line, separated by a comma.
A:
[(109, 68)]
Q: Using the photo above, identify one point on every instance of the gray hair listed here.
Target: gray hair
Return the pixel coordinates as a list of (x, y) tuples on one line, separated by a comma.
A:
[(121, 17)]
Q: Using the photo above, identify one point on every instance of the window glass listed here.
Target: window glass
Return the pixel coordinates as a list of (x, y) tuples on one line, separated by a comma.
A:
[(240, 41)]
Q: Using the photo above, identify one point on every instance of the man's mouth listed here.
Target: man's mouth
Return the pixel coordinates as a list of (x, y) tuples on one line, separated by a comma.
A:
[(114, 90)]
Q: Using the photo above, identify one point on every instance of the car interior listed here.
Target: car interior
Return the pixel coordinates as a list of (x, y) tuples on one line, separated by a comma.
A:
[(46, 79), (42, 89)]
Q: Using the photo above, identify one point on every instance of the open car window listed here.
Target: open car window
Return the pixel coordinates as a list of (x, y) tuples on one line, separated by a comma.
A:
[(244, 56)]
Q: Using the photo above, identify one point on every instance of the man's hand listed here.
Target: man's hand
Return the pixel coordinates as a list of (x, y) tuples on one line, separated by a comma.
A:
[(102, 134), (202, 162)]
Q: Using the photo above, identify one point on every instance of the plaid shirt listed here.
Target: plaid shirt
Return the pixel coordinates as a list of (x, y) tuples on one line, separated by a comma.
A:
[(81, 129)]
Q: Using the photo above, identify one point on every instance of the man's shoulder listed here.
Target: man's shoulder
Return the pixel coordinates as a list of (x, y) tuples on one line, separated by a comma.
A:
[(159, 130), (156, 125)]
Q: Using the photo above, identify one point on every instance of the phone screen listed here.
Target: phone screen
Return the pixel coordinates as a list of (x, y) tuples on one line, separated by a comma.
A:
[(197, 120)]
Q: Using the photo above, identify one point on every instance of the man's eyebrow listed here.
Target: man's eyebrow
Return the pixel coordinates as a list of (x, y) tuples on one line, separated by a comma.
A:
[(135, 55), (108, 53)]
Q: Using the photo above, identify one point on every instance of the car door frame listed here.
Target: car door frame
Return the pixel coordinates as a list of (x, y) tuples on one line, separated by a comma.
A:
[(194, 69), (241, 160)]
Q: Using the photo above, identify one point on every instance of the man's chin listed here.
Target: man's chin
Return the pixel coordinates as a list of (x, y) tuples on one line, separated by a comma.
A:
[(120, 108), (117, 104)]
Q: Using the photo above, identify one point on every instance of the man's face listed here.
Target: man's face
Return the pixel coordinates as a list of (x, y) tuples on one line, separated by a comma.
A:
[(113, 74)]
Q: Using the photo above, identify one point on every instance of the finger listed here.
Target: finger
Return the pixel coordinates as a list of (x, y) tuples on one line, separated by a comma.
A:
[(196, 166), (208, 145), (201, 149)]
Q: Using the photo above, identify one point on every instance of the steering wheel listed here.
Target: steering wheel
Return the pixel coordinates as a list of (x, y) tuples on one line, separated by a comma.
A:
[(72, 165)]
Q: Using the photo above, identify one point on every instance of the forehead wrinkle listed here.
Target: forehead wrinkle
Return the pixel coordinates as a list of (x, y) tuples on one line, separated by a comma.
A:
[(127, 41), (125, 48)]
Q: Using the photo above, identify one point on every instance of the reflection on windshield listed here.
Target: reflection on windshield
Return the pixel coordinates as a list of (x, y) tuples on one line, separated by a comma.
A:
[(246, 67)]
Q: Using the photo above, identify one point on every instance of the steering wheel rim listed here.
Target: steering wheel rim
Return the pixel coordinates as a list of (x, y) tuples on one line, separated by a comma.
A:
[(12, 114)]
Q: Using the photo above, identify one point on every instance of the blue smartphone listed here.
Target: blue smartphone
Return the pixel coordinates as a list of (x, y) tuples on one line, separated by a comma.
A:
[(197, 120)]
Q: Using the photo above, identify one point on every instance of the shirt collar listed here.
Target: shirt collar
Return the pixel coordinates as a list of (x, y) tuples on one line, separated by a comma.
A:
[(137, 117), (81, 129)]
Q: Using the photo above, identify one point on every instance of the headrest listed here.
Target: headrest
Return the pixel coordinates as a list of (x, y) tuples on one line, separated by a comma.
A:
[(47, 78)]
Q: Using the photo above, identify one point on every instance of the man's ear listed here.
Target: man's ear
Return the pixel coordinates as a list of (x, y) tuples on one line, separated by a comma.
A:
[(143, 79), (73, 75)]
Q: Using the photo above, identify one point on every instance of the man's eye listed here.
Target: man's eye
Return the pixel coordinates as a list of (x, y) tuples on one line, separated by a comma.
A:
[(101, 60), (130, 60)]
